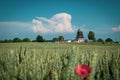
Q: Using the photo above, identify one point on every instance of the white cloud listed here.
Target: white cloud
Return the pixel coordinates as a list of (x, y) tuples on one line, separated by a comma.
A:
[(15, 23), (116, 29), (59, 23)]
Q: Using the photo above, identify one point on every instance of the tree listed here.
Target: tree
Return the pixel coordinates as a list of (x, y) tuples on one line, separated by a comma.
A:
[(39, 38), (10, 40), (1, 41), (5, 41), (108, 40), (34, 40), (100, 40), (16, 40), (61, 38), (91, 36), (55, 39), (26, 40)]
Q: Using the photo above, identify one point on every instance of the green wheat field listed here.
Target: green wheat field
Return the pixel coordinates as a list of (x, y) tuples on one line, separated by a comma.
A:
[(57, 61)]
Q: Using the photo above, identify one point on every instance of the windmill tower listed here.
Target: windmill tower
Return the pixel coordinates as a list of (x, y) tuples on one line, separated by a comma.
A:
[(80, 37)]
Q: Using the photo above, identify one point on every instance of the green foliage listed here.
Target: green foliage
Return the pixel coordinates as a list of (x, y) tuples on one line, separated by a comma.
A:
[(1, 41), (91, 36), (55, 39), (108, 40), (51, 61), (16, 40), (34, 40), (100, 40), (60, 38), (39, 38), (26, 40), (6, 41)]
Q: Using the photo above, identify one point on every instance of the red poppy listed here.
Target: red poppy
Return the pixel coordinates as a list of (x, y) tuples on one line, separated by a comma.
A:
[(83, 70)]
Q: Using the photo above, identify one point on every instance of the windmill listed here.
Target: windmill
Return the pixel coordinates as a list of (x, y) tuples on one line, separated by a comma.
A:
[(80, 37)]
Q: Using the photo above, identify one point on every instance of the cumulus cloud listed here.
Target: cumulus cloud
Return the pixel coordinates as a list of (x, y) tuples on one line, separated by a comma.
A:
[(59, 23), (116, 29)]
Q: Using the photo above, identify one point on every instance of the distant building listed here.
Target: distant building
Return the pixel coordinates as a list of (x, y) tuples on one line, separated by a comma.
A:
[(68, 41), (80, 37)]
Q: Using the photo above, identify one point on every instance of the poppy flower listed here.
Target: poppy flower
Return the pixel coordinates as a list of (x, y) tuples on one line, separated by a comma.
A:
[(83, 70)]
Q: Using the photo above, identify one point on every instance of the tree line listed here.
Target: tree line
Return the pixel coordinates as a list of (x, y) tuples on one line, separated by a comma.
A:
[(39, 38), (91, 36)]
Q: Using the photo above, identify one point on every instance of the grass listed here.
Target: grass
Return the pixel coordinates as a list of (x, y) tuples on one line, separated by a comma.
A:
[(57, 61)]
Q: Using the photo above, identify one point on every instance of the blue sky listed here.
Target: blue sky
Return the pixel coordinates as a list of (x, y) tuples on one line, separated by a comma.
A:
[(52, 18)]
